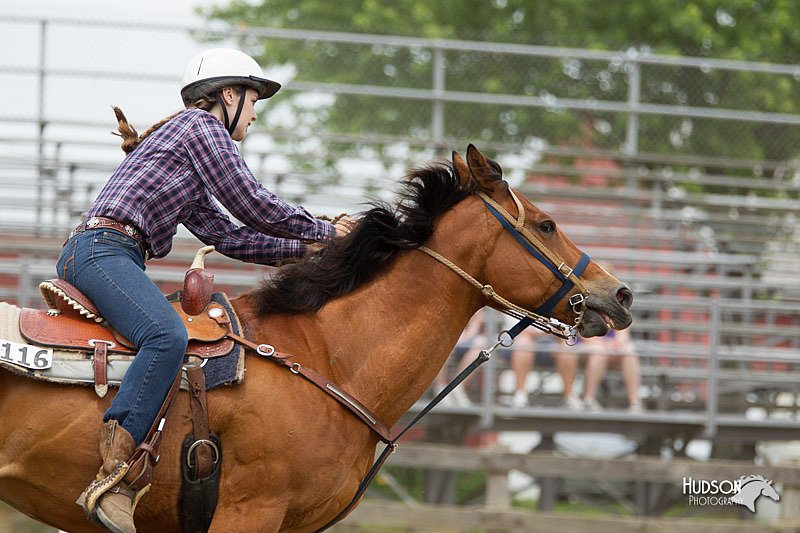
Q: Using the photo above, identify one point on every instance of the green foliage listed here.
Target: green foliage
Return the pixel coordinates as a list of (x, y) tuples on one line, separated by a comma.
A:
[(754, 30), (758, 30)]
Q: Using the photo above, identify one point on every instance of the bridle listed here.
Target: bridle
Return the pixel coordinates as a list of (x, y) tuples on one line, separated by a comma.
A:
[(541, 317)]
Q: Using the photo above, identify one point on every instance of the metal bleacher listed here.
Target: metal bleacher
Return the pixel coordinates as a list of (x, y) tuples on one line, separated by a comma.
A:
[(715, 327), (716, 318)]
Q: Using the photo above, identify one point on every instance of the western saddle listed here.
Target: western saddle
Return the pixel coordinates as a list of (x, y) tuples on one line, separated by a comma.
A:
[(73, 322)]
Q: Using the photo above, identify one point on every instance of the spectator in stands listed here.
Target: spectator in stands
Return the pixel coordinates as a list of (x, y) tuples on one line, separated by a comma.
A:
[(174, 173), (567, 366), (523, 359), (472, 340), (614, 347)]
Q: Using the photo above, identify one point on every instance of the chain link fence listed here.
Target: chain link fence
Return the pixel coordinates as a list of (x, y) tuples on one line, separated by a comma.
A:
[(356, 110)]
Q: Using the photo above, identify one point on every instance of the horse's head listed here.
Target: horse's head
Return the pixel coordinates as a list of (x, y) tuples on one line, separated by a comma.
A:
[(751, 488), (769, 491), (516, 254), (760, 486), (525, 250)]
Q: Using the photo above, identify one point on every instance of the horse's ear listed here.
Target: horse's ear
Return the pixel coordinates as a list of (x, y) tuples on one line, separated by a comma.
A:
[(487, 173), (462, 170)]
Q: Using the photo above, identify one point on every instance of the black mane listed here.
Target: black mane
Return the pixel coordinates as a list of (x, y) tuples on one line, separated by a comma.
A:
[(352, 261)]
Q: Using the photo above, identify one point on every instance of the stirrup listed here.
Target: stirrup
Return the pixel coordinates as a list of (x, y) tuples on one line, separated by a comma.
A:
[(91, 494)]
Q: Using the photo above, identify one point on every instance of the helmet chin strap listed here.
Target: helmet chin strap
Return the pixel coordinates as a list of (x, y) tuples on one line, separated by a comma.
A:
[(231, 125)]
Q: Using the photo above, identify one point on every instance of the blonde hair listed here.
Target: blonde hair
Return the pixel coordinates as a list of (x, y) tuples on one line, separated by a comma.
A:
[(131, 138)]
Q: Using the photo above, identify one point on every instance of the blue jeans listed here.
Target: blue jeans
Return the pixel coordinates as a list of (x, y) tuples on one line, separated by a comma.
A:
[(108, 267)]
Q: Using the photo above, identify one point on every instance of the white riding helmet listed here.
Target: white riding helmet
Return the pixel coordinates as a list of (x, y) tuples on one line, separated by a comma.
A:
[(215, 69)]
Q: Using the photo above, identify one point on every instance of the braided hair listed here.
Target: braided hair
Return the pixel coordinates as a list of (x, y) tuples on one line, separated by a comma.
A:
[(131, 138)]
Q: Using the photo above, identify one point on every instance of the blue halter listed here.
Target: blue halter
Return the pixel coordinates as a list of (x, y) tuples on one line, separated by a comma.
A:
[(547, 307)]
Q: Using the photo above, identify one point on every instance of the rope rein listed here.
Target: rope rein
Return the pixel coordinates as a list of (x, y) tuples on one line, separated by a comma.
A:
[(487, 290)]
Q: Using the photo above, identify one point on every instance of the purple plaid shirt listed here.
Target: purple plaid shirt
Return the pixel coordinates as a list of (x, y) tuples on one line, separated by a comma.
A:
[(176, 176)]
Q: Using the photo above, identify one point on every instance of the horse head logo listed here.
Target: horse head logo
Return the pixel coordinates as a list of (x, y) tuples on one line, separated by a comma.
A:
[(752, 487)]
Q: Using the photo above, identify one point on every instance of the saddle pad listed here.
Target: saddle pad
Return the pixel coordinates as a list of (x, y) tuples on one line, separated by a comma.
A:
[(228, 369), (75, 367)]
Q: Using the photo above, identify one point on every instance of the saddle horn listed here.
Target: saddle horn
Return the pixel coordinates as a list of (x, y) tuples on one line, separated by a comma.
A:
[(200, 257), (198, 285)]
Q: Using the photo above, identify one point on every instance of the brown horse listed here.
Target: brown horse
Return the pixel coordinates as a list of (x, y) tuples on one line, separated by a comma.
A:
[(371, 312)]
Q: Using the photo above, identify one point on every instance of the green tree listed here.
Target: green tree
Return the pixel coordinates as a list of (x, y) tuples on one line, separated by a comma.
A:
[(755, 30)]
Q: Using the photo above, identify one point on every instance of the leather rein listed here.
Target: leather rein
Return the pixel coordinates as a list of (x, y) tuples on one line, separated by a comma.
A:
[(539, 318)]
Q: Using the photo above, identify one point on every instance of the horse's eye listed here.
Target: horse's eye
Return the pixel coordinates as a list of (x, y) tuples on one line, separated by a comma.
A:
[(547, 227)]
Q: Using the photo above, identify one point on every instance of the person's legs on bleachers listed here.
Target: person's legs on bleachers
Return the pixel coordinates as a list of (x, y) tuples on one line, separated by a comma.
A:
[(596, 366), (631, 376), (521, 364), (567, 366)]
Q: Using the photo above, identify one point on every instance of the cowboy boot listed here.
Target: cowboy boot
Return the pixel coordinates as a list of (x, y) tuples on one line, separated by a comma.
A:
[(108, 500)]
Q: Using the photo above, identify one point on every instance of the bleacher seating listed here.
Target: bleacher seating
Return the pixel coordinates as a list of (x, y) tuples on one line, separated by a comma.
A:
[(712, 273), (684, 252)]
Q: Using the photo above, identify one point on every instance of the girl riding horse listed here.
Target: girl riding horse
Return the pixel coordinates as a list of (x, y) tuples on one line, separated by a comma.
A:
[(174, 174)]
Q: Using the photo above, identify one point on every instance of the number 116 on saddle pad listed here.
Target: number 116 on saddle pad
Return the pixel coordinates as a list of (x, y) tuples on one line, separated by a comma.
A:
[(26, 355)]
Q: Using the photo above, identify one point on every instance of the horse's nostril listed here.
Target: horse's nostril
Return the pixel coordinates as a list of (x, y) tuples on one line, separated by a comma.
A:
[(625, 297)]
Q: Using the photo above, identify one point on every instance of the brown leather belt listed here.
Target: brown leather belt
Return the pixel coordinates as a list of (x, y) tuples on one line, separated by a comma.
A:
[(126, 229)]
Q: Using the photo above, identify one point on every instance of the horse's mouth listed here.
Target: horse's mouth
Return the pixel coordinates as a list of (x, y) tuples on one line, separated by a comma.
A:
[(597, 321)]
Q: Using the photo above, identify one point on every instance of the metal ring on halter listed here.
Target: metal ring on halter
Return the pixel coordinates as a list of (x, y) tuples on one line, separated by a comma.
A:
[(572, 338), (266, 350), (195, 444), (189, 364), (505, 339), (295, 368), (92, 342)]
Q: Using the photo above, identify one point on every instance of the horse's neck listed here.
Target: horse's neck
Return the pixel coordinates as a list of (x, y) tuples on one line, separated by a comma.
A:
[(398, 331)]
